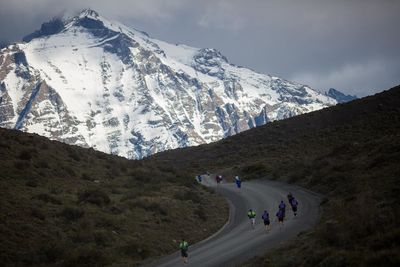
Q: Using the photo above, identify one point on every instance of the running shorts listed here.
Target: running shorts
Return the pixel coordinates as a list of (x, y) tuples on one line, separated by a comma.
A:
[(184, 253)]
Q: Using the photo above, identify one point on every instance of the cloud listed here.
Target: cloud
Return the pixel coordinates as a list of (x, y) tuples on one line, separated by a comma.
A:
[(360, 79), (323, 43), (20, 17), (154, 9), (222, 15)]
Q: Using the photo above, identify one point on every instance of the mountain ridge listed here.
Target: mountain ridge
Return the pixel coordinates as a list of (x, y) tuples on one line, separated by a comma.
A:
[(339, 96)]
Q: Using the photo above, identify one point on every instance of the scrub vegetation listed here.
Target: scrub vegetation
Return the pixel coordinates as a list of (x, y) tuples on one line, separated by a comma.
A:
[(64, 205)]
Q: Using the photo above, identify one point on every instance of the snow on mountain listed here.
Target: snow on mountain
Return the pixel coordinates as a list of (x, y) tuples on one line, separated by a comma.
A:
[(91, 82)]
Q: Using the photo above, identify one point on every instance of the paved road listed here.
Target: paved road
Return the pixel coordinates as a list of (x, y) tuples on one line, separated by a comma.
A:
[(237, 242)]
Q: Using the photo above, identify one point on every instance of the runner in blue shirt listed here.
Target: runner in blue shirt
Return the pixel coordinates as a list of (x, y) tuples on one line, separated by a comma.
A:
[(266, 220)]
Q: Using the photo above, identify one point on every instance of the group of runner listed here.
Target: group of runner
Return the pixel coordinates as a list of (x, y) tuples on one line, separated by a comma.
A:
[(251, 214), (236, 179), (219, 179)]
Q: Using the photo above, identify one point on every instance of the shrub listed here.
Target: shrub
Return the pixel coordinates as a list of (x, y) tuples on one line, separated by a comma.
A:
[(102, 238), (116, 210), (157, 208), (94, 196), (51, 252), (131, 183), (31, 183), (190, 183), (384, 258), (329, 233), (56, 190), (337, 259), (38, 214), (47, 198), (22, 164), (4, 145), (133, 249), (101, 155), (148, 205), (86, 176), (73, 154), (294, 177), (72, 214), (104, 221), (42, 164), (44, 255), (123, 168), (25, 155), (128, 195), (255, 170), (69, 171), (140, 176), (199, 212), (188, 195), (116, 191), (87, 256), (113, 172), (275, 174), (83, 235), (44, 146)]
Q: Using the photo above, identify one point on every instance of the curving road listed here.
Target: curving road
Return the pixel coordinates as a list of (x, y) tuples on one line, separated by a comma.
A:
[(237, 242)]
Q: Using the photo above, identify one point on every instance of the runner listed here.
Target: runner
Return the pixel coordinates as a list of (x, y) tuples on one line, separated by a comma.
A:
[(218, 178), (294, 205), (238, 182), (252, 216), (282, 206), (290, 197), (267, 223), (183, 246), (281, 216)]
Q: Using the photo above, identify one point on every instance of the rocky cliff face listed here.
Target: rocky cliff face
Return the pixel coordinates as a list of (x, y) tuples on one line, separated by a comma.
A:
[(95, 83)]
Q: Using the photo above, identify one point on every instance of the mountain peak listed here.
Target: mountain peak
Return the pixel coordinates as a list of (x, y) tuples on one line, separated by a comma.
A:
[(88, 18), (88, 12)]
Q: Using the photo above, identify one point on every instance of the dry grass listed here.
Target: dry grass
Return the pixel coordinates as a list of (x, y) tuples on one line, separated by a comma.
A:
[(68, 206)]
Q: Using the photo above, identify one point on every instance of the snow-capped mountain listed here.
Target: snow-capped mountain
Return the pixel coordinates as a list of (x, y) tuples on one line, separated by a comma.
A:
[(339, 96), (95, 83)]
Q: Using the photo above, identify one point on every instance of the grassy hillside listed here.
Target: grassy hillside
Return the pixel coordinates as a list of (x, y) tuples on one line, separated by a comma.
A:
[(350, 153), (69, 206)]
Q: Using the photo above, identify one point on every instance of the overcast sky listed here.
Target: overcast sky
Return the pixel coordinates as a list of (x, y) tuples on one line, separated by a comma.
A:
[(351, 45)]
